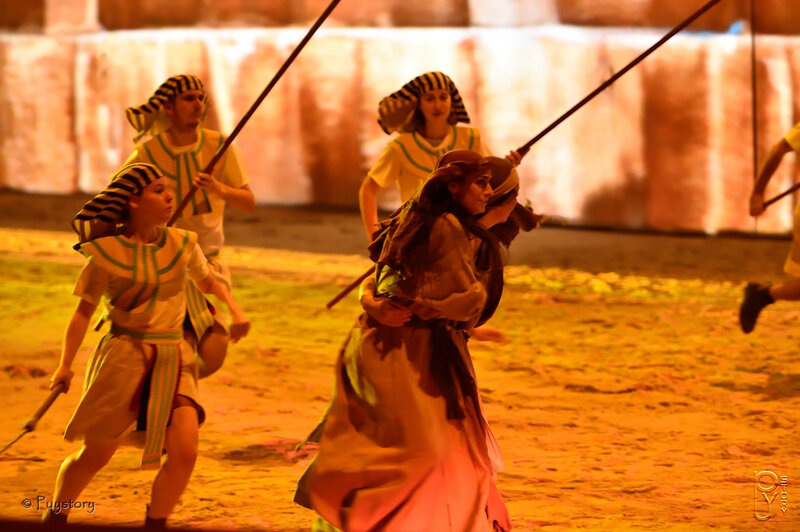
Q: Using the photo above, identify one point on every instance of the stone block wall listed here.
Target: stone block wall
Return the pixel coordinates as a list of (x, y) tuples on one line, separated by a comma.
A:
[(668, 146)]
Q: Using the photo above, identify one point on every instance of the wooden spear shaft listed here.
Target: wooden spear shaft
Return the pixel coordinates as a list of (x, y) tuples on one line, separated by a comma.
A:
[(30, 424), (527, 146), (783, 194), (697, 14)]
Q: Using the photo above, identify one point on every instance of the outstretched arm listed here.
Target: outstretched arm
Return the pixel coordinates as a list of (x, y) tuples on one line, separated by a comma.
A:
[(73, 338), (240, 324), (773, 159)]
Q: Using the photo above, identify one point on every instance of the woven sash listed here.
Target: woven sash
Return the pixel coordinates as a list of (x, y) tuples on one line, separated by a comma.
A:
[(165, 372)]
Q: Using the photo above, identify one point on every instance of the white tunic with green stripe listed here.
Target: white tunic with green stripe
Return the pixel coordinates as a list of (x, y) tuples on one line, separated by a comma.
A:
[(204, 214), (144, 288), (409, 159)]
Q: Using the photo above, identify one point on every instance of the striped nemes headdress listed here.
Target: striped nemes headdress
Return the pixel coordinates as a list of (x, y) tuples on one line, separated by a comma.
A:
[(103, 215), (396, 111), (150, 118)]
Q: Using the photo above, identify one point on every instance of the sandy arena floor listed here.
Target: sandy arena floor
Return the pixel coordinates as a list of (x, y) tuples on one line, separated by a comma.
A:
[(624, 398)]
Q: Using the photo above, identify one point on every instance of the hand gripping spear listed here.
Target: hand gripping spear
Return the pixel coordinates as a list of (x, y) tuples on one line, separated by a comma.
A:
[(31, 423), (214, 160), (34, 419), (522, 150)]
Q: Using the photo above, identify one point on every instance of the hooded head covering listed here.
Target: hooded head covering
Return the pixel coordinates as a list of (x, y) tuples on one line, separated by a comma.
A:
[(150, 118), (104, 214), (396, 112), (505, 182), (410, 225)]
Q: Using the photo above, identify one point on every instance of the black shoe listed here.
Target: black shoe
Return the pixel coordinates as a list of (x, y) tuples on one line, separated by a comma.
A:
[(756, 297), (54, 521), (152, 523)]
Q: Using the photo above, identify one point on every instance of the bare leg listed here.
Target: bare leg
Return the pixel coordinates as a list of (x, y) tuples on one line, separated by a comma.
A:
[(788, 290), (172, 479), (79, 468), (212, 350)]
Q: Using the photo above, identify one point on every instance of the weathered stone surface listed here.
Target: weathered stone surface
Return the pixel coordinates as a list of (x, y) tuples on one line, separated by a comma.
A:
[(668, 146), (330, 81), (677, 103), (590, 166), (37, 144), (123, 14), (772, 17), (249, 13), (271, 143), (23, 17), (512, 13), (731, 172), (602, 12), (346, 13), (71, 16), (417, 13)]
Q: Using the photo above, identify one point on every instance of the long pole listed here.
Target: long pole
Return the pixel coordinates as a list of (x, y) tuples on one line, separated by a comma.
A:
[(527, 146), (210, 166), (30, 424), (697, 14), (783, 194)]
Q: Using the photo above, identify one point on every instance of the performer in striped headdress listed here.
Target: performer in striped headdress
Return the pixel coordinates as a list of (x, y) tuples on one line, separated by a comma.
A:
[(426, 112), (151, 118), (181, 148), (143, 373)]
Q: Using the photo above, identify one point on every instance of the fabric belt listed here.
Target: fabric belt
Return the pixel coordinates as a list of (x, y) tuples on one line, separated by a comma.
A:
[(164, 375)]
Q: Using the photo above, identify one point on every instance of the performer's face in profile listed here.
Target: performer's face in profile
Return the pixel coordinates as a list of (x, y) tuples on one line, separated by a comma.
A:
[(473, 194), (154, 204), (435, 106), (187, 109)]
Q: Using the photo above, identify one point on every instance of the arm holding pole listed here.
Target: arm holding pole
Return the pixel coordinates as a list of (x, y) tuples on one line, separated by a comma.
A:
[(765, 173)]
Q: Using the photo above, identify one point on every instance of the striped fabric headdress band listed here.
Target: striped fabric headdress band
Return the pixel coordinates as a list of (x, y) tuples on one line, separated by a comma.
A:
[(150, 119), (101, 216), (396, 111)]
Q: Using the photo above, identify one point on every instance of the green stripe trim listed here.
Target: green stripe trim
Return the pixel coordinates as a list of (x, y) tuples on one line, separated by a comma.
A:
[(132, 283), (163, 239), (412, 161), (147, 335), (164, 145), (179, 181), (423, 148), (145, 269), (189, 173), (155, 163), (177, 256), (452, 145), (124, 242), (202, 141), (202, 191), (108, 257), (163, 385), (471, 138), (197, 308), (154, 295)]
